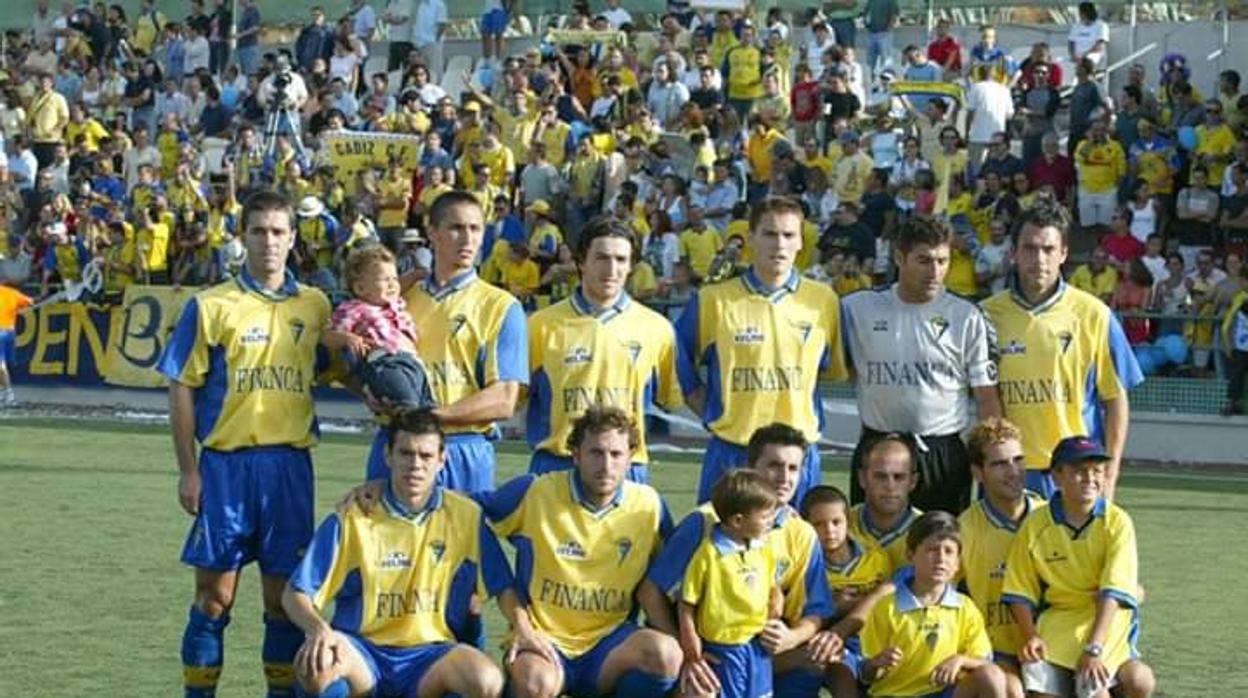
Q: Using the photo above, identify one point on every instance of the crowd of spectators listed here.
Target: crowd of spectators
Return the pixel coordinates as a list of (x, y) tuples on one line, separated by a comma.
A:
[(675, 124)]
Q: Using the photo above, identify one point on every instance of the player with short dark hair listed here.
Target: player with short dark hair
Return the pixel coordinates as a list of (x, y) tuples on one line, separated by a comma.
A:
[(764, 339), (597, 347), (887, 478), (920, 354), (583, 539), (402, 578), (241, 363)]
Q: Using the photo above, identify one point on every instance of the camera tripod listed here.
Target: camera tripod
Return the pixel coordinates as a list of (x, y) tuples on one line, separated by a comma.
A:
[(280, 120)]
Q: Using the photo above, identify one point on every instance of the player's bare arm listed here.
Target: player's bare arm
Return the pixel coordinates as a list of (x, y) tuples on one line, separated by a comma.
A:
[(1117, 416), (657, 608), (182, 421), (494, 402)]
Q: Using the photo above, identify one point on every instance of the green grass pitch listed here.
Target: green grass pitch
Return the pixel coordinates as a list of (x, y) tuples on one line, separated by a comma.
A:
[(93, 598)]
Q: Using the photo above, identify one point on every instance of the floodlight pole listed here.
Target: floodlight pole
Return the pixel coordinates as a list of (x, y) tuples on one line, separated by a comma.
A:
[(1134, 27), (931, 19)]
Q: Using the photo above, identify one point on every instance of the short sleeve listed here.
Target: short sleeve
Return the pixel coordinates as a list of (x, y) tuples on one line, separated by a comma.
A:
[(495, 572), (185, 359), (693, 586), (1116, 366), (504, 507), (325, 565), (877, 632), (1022, 582), (834, 364), (689, 352), (668, 568), (981, 369), (1120, 577), (974, 641), (510, 349), (669, 393)]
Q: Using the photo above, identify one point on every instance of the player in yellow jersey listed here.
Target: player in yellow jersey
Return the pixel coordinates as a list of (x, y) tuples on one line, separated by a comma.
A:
[(1072, 581), (12, 303), (777, 453), (402, 577), (583, 540), (241, 363), (926, 639), (887, 478), (474, 343), (988, 529), (726, 594), (765, 339), (598, 347), (1064, 362)]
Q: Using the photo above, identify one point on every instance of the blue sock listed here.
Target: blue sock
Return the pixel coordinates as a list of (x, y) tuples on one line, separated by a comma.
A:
[(281, 641), (203, 653), (636, 682), (337, 689)]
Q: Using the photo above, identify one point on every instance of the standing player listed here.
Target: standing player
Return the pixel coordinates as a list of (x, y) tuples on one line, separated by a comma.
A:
[(988, 530), (12, 302), (473, 342), (917, 352), (583, 540), (777, 452), (240, 365), (598, 347), (764, 339), (401, 577), (1065, 363), (1071, 580), (887, 478)]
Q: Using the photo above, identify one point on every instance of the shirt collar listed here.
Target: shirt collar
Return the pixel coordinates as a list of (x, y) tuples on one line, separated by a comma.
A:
[(783, 513), (1059, 512), (756, 285), (879, 534), (583, 306), (288, 289), (578, 494), (1000, 520), (1017, 294), (907, 601), (456, 283), (855, 554), (727, 546), (403, 511)]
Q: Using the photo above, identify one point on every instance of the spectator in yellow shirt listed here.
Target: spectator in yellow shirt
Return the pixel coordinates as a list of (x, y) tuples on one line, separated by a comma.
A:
[(699, 244), (759, 152), (1101, 164), (520, 275), (49, 115), (1215, 141), (1097, 277), (851, 171), (80, 124)]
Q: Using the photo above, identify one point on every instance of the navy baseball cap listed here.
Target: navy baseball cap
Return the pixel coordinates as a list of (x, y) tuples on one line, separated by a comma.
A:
[(1077, 449)]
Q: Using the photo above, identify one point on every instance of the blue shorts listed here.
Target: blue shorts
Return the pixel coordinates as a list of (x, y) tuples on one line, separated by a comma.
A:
[(722, 456), (397, 671), (581, 673), (8, 348), (255, 505), (1041, 482), (546, 462), (799, 683), (469, 462), (744, 671), (494, 22)]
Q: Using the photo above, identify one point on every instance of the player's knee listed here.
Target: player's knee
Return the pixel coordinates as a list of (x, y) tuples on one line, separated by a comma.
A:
[(661, 655), (533, 677), (213, 601), (989, 680), (1013, 686), (314, 684), (1137, 680), (484, 681)]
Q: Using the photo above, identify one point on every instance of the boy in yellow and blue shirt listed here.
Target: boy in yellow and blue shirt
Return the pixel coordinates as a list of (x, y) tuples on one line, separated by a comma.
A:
[(926, 639), (727, 591)]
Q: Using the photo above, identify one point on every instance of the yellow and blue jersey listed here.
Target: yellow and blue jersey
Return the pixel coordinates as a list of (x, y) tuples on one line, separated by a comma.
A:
[(926, 636), (987, 535), (729, 583), (800, 569), (764, 350), (251, 357), (67, 260), (400, 577), (580, 356), (867, 567), (472, 335), (892, 542), (1058, 361), (1061, 572), (577, 567)]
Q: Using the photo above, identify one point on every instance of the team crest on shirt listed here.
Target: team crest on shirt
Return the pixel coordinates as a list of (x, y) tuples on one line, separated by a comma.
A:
[(1055, 556), (1064, 338), (880, 325), (624, 546), (750, 335), (571, 550), (438, 548), (578, 355), (297, 327), (255, 335), (782, 567), (1013, 347), (940, 324), (395, 560), (803, 328), (634, 350), (457, 323), (998, 572)]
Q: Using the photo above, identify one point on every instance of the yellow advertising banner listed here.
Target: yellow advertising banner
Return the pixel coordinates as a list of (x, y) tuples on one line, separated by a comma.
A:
[(139, 331), (351, 152)]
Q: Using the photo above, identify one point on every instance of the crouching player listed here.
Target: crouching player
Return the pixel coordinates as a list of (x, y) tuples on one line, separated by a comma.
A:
[(1071, 580), (995, 450), (726, 594), (402, 578), (888, 477), (925, 638), (858, 574)]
